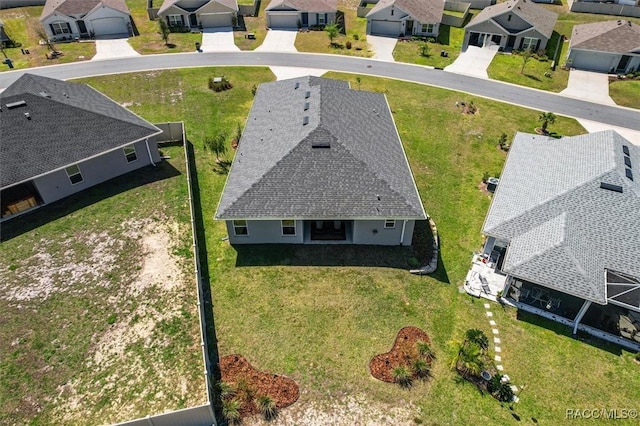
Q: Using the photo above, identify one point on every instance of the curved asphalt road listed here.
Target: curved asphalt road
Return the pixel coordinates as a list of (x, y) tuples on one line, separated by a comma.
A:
[(504, 92)]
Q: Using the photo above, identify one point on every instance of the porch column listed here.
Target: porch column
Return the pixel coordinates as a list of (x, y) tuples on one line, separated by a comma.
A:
[(581, 312), (507, 286)]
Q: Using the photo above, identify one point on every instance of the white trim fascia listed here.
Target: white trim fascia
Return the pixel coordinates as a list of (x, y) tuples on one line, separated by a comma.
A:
[(312, 218)]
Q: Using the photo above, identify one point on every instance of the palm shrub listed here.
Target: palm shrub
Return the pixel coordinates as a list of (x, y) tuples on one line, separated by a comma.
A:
[(546, 118), (402, 376), (504, 393), (231, 410), (478, 337), (424, 349), (226, 390), (421, 368), (469, 360), (267, 406)]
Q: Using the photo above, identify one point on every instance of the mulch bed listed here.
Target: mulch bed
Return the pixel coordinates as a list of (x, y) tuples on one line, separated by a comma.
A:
[(403, 352), (239, 373)]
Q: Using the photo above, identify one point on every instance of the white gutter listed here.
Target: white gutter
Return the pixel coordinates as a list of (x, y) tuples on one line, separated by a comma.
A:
[(581, 312), (404, 225)]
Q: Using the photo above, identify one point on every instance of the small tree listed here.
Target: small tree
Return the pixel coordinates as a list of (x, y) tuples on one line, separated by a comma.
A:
[(216, 144), (42, 34), (546, 118), (526, 55), (332, 30), (424, 49), (164, 30)]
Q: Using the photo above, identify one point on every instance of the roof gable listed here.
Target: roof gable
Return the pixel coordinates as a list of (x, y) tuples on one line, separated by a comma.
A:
[(537, 16), (67, 123), (304, 5), (357, 169), (425, 11), (609, 36)]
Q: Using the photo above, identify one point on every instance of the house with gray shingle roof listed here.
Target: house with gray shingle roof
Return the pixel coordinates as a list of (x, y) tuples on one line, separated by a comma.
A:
[(405, 17), (319, 162), (293, 14), (199, 13), (609, 46), (564, 225), (59, 138), (73, 19), (514, 24)]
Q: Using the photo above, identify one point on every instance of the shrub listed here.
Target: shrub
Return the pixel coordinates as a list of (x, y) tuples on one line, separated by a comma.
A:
[(478, 337), (424, 49), (421, 368), (219, 86), (424, 349), (485, 177), (226, 390), (112, 319), (267, 406), (348, 44), (413, 262), (179, 29), (254, 89), (402, 376), (504, 393), (231, 411)]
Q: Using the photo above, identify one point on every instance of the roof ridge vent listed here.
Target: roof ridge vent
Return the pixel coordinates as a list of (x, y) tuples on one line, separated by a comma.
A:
[(306, 106), (305, 120), (321, 144), (307, 94), (625, 149), (629, 174), (611, 187), (16, 104), (297, 85)]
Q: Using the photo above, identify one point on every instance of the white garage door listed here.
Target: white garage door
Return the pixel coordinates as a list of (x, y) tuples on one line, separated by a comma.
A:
[(283, 21), (591, 61), (107, 26), (391, 28), (214, 20)]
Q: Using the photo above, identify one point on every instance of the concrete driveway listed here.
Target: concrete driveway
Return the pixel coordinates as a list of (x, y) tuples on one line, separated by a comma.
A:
[(589, 86), (279, 41), (218, 40), (474, 61), (383, 47), (117, 47)]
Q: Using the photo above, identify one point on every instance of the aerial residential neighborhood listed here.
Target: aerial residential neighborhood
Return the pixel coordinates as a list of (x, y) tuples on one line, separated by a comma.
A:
[(308, 212)]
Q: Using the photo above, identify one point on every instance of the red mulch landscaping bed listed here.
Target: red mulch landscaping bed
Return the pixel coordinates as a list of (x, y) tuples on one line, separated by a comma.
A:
[(404, 351), (250, 383)]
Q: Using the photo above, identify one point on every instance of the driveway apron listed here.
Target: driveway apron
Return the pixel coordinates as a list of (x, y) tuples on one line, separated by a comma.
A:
[(589, 86), (383, 47), (218, 40), (474, 61), (109, 48), (279, 41)]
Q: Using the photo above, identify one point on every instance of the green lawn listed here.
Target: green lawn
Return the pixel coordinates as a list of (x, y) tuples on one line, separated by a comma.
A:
[(321, 325), (625, 93), (450, 39), (85, 337), (256, 25), (537, 73)]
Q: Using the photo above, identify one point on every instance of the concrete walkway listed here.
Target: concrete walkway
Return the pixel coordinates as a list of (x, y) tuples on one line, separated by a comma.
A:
[(589, 86), (218, 40), (382, 47), (279, 41), (474, 61), (114, 48)]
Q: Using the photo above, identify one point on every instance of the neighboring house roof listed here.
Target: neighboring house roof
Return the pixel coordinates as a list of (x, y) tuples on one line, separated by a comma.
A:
[(68, 123), (610, 36), (425, 11), (80, 7), (167, 4), (563, 229), (304, 5), (537, 16), (347, 162)]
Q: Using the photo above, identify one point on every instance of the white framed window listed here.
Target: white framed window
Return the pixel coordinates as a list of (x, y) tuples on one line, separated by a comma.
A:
[(427, 28), (60, 28), (240, 227), (130, 153), (175, 20), (529, 43), (74, 174), (321, 20), (389, 224), (288, 227)]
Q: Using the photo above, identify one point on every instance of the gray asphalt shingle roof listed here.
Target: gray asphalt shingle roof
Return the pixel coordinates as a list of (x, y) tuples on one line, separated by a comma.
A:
[(542, 19), (68, 123), (80, 7), (617, 36), (563, 229), (304, 5), (277, 173), (425, 11)]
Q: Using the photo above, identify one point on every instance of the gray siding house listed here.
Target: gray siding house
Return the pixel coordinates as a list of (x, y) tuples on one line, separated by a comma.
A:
[(405, 17), (514, 24), (199, 13), (610, 46), (564, 227), (292, 14), (59, 138), (320, 163)]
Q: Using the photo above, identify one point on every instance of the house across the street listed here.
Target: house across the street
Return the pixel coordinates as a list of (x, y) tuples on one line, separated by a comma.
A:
[(196, 14), (563, 231), (294, 14), (405, 17), (59, 138), (319, 162), (73, 19)]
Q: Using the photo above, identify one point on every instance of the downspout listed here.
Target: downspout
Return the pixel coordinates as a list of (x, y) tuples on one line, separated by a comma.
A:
[(581, 312), (146, 142), (404, 225)]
